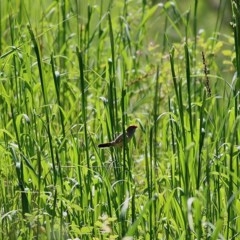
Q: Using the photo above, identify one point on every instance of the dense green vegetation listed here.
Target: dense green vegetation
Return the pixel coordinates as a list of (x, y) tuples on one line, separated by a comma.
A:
[(75, 74)]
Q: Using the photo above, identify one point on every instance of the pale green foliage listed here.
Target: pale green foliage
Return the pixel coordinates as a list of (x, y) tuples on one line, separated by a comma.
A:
[(74, 74)]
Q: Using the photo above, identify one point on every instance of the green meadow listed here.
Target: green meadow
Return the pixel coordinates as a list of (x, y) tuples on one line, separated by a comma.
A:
[(74, 74)]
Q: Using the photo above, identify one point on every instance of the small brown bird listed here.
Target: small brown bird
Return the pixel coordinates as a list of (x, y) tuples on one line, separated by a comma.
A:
[(118, 141)]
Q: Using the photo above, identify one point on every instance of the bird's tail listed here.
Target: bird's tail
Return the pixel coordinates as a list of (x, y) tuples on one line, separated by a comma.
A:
[(103, 145)]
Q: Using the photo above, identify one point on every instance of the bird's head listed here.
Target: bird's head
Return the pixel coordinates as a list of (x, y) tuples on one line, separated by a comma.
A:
[(131, 129)]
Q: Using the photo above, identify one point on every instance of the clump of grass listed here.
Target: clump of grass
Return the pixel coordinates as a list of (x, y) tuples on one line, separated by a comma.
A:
[(78, 75)]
